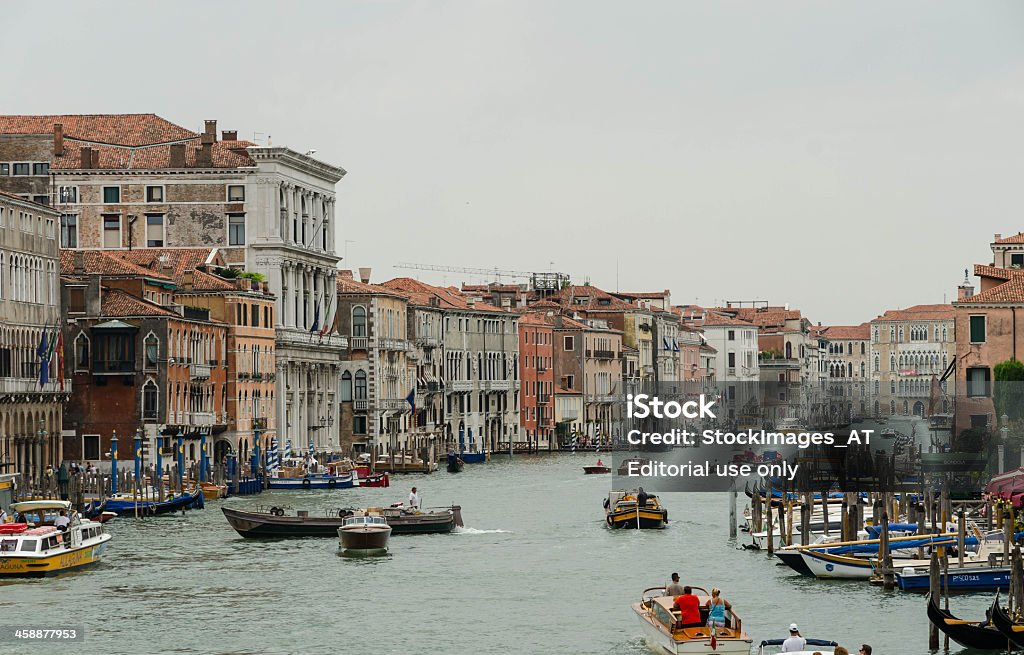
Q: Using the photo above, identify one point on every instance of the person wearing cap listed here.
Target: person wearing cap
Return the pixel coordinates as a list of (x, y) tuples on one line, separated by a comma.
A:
[(795, 643)]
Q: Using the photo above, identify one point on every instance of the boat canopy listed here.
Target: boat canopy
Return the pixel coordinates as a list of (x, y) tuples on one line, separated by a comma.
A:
[(37, 505), (898, 545)]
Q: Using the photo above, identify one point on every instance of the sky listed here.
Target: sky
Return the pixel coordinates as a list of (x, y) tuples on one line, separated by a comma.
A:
[(844, 158)]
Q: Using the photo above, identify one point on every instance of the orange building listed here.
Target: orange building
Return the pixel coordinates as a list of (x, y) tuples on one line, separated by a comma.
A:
[(537, 372)]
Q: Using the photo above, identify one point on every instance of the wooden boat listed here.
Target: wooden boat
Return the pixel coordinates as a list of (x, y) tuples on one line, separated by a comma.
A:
[(969, 578), (375, 480), (455, 463), (37, 548), (274, 522), (364, 534), (1012, 631), (821, 646), (660, 621), (970, 634), (313, 481), (597, 468), (213, 491), (129, 505), (624, 466), (621, 511)]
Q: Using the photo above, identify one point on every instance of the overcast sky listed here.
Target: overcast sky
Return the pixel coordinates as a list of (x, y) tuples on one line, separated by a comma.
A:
[(844, 157)]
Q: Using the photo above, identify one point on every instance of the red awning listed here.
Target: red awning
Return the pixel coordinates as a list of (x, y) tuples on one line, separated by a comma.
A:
[(1007, 485)]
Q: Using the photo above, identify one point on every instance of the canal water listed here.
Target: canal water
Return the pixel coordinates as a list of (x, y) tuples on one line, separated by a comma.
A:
[(534, 571)]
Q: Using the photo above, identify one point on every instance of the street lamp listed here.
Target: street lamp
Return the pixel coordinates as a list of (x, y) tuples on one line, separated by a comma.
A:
[(1004, 429)]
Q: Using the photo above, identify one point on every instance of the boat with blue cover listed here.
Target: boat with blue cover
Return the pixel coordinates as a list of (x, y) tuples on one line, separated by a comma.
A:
[(978, 578), (314, 481), (148, 505)]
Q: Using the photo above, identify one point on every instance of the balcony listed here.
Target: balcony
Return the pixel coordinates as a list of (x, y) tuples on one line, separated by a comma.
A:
[(304, 339), (604, 354), (393, 404), (428, 342), (399, 345), (460, 385), (199, 371), (359, 343), (360, 405), (31, 385), (200, 418)]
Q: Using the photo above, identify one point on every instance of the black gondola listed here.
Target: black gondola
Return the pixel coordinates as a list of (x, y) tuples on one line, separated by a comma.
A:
[(1014, 632), (971, 634), (455, 463)]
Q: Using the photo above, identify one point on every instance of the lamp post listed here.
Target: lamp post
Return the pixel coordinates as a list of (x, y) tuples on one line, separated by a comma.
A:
[(1004, 429), (38, 459)]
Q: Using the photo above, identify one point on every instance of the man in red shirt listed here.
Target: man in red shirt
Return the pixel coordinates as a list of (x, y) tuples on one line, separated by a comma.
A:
[(689, 609)]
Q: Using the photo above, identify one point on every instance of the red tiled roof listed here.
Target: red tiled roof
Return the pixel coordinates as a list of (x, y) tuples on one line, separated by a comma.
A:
[(718, 320), (350, 286), (986, 270), (106, 263), (117, 303), (595, 299), (224, 154), (181, 261), (1016, 238), (652, 295), (536, 318), (919, 313), (1010, 291), (420, 293), (850, 332), (114, 129)]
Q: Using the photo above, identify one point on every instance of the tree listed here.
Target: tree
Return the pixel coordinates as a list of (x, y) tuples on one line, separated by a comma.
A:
[(1008, 390)]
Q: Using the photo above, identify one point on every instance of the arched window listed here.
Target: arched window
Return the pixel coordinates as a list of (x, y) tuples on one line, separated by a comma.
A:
[(358, 321), (892, 362), (862, 369), (346, 386), (359, 393), (149, 400), (892, 407), (152, 350), (876, 363), (81, 352), (789, 350), (850, 369)]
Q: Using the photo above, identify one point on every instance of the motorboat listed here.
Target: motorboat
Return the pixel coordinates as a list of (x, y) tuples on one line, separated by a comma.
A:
[(663, 632), (364, 534), (375, 480), (269, 522), (623, 511), (811, 646), (598, 468), (983, 635), (633, 463), (313, 481), (37, 548)]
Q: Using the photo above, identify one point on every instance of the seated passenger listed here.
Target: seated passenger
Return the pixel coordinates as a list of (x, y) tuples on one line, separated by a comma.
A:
[(62, 522), (689, 609)]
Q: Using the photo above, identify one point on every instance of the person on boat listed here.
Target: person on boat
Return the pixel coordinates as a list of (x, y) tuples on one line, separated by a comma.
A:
[(62, 522), (674, 588), (865, 649), (599, 462), (641, 498), (794, 643), (716, 608), (689, 609), (840, 651), (3, 515), (414, 499)]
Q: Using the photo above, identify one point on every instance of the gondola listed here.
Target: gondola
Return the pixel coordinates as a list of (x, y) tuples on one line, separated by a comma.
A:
[(970, 634), (455, 463), (1011, 631)]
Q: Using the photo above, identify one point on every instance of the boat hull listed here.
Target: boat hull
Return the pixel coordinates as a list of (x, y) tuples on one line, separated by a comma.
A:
[(824, 565), (365, 540), (375, 480), (473, 458), (967, 634), (594, 470), (982, 579), (649, 519), (56, 564), (259, 525), (662, 642), (795, 561), (129, 507), (312, 482)]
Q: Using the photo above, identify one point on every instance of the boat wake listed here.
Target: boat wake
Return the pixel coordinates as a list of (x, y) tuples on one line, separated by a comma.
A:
[(477, 531)]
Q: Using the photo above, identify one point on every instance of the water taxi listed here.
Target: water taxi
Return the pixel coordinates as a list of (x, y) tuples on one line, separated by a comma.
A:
[(364, 534), (811, 646), (37, 548), (621, 511), (662, 631)]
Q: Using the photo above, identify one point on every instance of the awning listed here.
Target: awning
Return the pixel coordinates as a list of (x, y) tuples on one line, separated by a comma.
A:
[(1007, 486)]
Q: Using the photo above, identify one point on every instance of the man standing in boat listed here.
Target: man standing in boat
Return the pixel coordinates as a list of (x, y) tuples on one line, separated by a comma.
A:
[(414, 499), (795, 643), (674, 588)]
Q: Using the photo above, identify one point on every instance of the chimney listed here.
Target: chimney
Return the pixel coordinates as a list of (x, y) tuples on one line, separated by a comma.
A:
[(364, 275), (345, 274), (266, 287), (204, 156), (187, 280), (86, 157), (210, 135), (229, 135), (998, 236), (177, 155), (506, 302), (79, 262), (58, 139), (434, 301)]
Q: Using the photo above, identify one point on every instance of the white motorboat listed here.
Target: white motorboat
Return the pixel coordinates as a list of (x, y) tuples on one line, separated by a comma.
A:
[(662, 632)]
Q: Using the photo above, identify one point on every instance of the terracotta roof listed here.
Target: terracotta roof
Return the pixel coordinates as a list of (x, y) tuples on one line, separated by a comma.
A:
[(595, 299), (115, 129), (1016, 238), (544, 304), (563, 390), (652, 295), (105, 262), (224, 154), (420, 293), (494, 288), (118, 303), (350, 286), (851, 332), (986, 270), (1010, 291), (919, 313), (536, 318), (181, 261), (720, 320), (761, 316)]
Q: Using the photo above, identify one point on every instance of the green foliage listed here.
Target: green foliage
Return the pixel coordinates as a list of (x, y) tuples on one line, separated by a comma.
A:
[(972, 440), (771, 353), (258, 277), (227, 273), (1008, 389)]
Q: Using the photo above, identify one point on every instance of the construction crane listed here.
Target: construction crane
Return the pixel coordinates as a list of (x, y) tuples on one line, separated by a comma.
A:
[(539, 281)]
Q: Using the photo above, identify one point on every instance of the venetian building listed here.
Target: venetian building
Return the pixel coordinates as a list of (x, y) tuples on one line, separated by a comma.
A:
[(31, 425)]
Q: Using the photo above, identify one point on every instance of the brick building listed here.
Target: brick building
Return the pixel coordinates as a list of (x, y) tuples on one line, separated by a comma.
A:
[(537, 379)]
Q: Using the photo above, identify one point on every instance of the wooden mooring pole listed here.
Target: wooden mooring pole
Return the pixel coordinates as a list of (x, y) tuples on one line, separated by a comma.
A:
[(732, 511), (933, 591)]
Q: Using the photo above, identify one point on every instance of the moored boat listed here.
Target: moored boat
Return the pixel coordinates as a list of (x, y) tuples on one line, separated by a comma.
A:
[(147, 505), (269, 522), (213, 491), (313, 481), (1012, 631), (623, 511), (971, 634), (37, 548), (375, 480), (364, 534), (972, 578), (455, 463), (661, 628)]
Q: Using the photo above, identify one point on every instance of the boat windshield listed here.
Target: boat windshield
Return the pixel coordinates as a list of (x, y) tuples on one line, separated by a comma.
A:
[(773, 646), (365, 520)]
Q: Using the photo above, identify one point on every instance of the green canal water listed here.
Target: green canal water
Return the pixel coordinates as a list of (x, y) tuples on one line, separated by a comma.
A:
[(535, 571)]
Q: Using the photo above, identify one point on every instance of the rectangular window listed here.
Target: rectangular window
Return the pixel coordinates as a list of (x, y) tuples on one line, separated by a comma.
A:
[(236, 193), (41, 169), (155, 230), (978, 329), (236, 229), (111, 230), (91, 446), (732, 335), (978, 381), (254, 311), (568, 343), (42, 200), (111, 194), (67, 194), (358, 425), (154, 194), (21, 169), (5, 169), (732, 360), (1017, 259)]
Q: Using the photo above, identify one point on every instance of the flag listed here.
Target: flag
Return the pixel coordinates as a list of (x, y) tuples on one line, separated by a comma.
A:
[(327, 314), (60, 358), (44, 366), (411, 399), (316, 319), (714, 636)]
